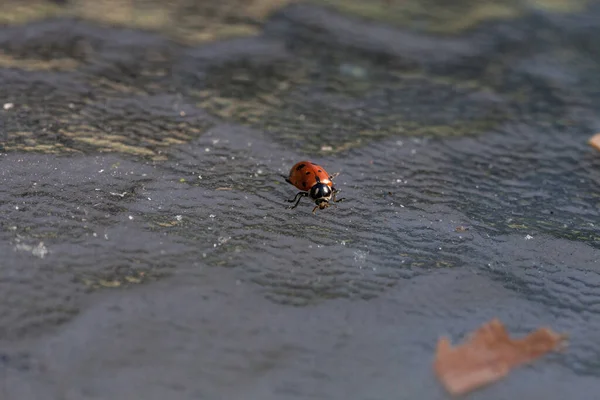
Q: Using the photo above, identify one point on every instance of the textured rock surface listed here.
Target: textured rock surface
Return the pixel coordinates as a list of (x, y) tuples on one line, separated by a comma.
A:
[(146, 251)]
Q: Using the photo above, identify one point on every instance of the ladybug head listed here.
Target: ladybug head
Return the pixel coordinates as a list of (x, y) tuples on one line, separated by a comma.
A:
[(321, 193)]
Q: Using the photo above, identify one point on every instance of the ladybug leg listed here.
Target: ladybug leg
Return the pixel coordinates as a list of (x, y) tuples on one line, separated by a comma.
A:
[(334, 176), (333, 198), (297, 199)]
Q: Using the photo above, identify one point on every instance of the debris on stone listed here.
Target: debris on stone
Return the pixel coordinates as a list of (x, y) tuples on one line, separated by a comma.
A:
[(39, 251), (133, 279), (595, 141), (8, 106), (488, 355), (461, 228), (167, 224), (354, 71), (108, 283)]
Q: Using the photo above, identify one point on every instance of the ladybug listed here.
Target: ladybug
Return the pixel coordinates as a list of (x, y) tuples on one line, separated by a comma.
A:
[(314, 182)]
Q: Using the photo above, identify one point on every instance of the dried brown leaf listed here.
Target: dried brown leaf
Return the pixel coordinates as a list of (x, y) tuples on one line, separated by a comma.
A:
[(595, 141), (488, 355)]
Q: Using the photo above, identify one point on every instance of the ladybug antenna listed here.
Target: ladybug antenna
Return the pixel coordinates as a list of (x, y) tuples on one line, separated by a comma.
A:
[(318, 179)]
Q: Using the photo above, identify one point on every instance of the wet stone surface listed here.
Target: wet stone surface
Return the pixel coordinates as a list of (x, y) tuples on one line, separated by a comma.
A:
[(146, 248)]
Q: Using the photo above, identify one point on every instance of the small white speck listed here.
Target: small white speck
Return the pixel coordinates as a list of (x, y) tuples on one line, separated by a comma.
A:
[(360, 257), (178, 217), (401, 206), (16, 207), (215, 141), (207, 149), (260, 171), (131, 217), (203, 255), (413, 151), (106, 236), (326, 148), (182, 113), (94, 234), (199, 176), (101, 171), (212, 215), (149, 198), (222, 240), (8, 106), (528, 237), (399, 142)]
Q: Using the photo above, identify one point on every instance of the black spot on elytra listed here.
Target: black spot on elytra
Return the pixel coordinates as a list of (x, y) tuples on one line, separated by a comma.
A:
[(299, 167), (307, 172), (320, 171)]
